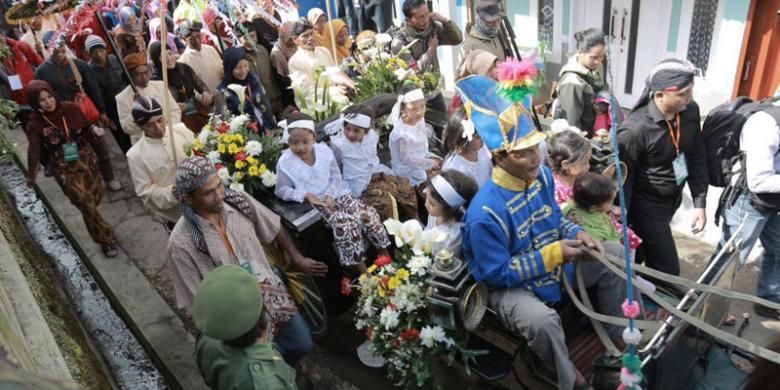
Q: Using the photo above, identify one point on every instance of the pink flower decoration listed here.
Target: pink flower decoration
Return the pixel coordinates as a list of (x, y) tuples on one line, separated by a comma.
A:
[(630, 309)]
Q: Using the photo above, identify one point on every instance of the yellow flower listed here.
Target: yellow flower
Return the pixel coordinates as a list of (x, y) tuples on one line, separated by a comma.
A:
[(370, 269), (221, 148), (263, 169), (251, 160), (239, 176), (238, 138), (232, 148), (226, 138), (240, 164), (196, 145), (253, 171), (207, 128), (394, 283), (402, 274), (380, 291)]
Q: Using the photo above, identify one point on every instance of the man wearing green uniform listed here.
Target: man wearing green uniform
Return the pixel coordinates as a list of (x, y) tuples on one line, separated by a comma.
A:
[(232, 351)]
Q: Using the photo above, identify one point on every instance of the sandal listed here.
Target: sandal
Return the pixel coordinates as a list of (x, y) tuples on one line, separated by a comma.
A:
[(110, 250)]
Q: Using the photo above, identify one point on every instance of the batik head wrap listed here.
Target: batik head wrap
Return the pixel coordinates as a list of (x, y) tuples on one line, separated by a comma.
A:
[(671, 74), (144, 109), (191, 174)]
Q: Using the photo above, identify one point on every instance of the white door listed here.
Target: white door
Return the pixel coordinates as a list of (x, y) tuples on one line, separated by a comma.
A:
[(637, 33)]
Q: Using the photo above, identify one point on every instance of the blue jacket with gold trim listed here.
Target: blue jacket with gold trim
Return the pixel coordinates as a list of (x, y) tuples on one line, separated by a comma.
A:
[(512, 235)]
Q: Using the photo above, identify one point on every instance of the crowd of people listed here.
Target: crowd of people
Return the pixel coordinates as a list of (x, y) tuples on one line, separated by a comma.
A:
[(518, 204)]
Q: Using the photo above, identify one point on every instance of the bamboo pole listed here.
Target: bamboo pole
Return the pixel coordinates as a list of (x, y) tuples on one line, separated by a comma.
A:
[(164, 62), (332, 34)]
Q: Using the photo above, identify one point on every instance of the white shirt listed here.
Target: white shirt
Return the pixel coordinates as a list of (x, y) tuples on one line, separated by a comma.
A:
[(409, 151), (295, 177), (453, 240), (124, 107), (760, 140), (358, 160), (153, 170), (207, 63), (306, 61), (479, 170)]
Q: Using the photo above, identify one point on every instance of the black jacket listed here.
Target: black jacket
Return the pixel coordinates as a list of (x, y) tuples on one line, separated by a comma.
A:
[(62, 80), (647, 148)]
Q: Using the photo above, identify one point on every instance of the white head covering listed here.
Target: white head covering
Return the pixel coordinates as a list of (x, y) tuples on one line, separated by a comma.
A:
[(447, 192), (409, 97), (307, 124), (357, 119)]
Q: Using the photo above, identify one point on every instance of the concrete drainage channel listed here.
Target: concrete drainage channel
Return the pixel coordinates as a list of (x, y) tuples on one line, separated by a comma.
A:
[(127, 360)]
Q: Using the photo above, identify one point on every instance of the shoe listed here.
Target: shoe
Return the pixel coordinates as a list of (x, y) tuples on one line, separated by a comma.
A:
[(110, 250), (113, 185), (48, 171), (767, 312)]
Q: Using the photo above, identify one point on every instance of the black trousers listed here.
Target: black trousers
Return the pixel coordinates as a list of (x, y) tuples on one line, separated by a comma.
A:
[(650, 220)]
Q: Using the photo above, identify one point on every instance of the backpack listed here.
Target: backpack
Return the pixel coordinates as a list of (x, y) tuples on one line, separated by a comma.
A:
[(721, 132)]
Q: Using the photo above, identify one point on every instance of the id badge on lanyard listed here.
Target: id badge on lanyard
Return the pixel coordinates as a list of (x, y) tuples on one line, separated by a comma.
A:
[(70, 152), (679, 165)]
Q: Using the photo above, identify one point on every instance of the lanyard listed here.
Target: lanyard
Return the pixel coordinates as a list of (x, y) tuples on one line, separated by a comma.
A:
[(64, 124), (675, 139), (223, 234)]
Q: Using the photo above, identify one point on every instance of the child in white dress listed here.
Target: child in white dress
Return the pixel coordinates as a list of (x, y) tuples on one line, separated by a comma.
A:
[(464, 149), (307, 172), (354, 143), (409, 152), (447, 197)]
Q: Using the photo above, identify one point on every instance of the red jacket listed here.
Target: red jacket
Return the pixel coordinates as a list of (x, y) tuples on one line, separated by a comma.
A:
[(21, 63)]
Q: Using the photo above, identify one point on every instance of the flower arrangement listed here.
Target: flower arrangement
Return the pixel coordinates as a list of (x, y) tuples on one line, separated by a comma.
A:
[(392, 308), (243, 155), (380, 73), (321, 99)]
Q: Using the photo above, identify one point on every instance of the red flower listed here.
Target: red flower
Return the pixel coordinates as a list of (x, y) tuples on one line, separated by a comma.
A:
[(197, 153), (253, 126), (410, 334), (218, 166), (370, 333), (346, 289), (382, 261), (223, 128), (241, 156)]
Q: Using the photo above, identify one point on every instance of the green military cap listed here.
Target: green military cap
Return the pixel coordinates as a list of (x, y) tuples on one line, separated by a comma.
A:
[(228, 303)]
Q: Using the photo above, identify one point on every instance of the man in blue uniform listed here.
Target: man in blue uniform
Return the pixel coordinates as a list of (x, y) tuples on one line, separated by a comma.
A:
[(516, 239)]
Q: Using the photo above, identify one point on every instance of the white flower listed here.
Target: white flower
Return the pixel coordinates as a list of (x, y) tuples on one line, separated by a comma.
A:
[(385, 56), (418, 265), (269, 178), (406, 232), (383, 38), (388, 318), (408, 297), (254, 148), (237, 122), (429, 336), (425, 242), (236, 186), (240, 91), (468, 129), (298, 81), (203, 137), (224, 174), (401, 74), (214, 157)]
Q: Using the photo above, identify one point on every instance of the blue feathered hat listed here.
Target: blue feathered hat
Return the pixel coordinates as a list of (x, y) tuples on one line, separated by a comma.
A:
[(502, 123)]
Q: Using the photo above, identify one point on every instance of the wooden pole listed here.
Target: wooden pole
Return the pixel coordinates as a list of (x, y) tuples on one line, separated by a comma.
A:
[(332, 34), (164, 62)]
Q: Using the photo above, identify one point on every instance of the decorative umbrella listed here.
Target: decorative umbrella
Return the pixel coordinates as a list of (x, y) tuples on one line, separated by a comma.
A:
[(24, 11)]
